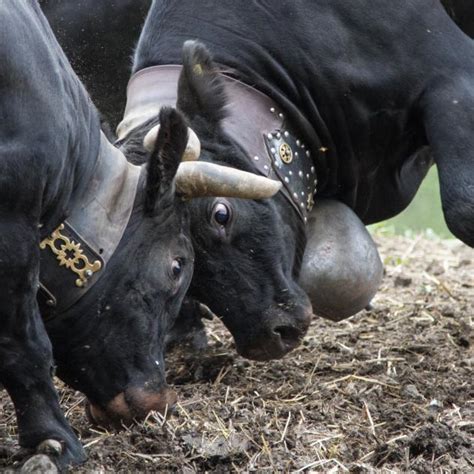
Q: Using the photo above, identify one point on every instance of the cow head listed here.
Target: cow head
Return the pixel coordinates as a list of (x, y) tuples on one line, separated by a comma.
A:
[(110, 344), (248, 252)]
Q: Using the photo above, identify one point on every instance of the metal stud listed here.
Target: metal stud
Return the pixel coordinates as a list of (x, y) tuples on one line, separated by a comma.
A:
[(265, 167), (256, 158), (272, 150), (315, 182), (305, 220), (298, 143), (296, 154), (308, 153), (272, 110), (302, 205), (269, 136), (290, 173), (300, 174), (287, 180), (280, 115), (286, 133), (295, 195), (278, 135), (302, 193), (307, 176), (312, 169), (303, 146)]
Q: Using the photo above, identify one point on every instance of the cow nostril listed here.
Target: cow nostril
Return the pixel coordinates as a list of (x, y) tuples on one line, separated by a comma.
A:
[(289, 334)]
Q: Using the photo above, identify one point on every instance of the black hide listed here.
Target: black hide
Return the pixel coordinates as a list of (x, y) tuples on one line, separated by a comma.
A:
[(109, 345), (386, 87)]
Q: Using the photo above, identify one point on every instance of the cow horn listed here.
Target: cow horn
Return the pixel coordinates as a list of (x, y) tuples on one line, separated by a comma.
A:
[(193, 147), (201, 179)]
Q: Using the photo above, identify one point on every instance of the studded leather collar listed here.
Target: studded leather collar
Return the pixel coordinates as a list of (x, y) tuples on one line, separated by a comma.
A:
[(74, 257), (254, 121)]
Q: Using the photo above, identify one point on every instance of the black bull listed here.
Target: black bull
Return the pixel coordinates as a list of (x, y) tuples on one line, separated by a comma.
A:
[(105, 241), (371, 83)]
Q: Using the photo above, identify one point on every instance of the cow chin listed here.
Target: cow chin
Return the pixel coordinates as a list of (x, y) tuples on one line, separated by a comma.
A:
[(281, 331), (132, 405)]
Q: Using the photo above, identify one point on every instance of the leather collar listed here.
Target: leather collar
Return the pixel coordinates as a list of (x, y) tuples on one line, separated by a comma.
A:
[(254, 121), (74, 257)]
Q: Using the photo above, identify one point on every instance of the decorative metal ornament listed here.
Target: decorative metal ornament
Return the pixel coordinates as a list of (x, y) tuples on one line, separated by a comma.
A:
[(70, 254), (310, 202), (286, 153)]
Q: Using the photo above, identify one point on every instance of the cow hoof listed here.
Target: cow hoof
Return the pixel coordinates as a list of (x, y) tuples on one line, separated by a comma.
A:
[(39, 464), (52, 455), (50, 447)]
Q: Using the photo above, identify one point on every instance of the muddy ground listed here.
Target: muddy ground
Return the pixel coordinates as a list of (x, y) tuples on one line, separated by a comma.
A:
[(391, 389)]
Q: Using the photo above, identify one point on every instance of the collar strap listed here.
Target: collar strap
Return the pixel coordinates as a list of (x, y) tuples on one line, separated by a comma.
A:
[(253, 120), (74, 257)]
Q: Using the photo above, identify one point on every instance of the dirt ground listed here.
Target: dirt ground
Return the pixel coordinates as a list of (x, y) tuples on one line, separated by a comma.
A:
[(391, 389)]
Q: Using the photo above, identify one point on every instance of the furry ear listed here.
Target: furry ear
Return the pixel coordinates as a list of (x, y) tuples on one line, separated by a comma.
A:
[(165, 158), (200, 89)]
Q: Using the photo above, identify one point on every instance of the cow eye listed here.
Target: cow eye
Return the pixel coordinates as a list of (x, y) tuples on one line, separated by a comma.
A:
[(221, 213), (177, 267)]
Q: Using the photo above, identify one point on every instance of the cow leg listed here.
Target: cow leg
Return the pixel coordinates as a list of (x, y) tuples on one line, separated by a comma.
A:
[(341, 270), (25, 350), (449, 123)]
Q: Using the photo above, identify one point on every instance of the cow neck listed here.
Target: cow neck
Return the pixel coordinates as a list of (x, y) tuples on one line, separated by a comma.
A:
[(253, 120), (76, 254)]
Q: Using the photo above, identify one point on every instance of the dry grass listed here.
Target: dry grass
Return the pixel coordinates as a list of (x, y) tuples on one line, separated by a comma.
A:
[(389, 390)]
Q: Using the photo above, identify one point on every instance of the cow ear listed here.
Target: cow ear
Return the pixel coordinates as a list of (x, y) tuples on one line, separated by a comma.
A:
[(165, 158), (200, 88)]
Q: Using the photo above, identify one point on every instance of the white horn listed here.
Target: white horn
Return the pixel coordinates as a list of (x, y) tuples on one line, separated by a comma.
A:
[(193, 147), (201, 179)]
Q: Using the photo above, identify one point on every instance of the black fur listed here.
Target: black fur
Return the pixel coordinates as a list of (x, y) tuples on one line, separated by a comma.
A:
[(252, 275), (370, 79), (110, 343), (166, 156)]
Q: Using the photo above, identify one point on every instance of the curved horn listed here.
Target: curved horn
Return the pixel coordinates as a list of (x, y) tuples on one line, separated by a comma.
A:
[(201, 179), (193, 147)]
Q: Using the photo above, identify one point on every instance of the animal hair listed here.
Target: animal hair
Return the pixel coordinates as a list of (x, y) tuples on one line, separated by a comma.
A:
[(165, 158)]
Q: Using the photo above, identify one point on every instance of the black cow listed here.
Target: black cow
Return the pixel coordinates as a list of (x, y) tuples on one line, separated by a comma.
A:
[(360, 94), (98, 37), (106, 242)]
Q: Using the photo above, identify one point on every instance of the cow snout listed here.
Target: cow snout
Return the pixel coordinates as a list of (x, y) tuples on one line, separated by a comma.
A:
[(290, 333), (132, 405), (281, 333)]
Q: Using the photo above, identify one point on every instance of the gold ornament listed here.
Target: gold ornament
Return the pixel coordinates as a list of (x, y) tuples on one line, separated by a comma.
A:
[(70, 254), (286, 153)]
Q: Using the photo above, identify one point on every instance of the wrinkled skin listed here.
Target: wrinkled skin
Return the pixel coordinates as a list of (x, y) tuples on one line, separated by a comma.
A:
[(102, 344)]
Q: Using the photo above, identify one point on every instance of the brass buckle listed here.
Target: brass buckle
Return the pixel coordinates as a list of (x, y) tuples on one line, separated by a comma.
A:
[(70, 254)]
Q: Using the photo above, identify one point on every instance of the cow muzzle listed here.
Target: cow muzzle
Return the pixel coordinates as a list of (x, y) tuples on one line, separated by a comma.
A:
[(280, 334), (134, 404)]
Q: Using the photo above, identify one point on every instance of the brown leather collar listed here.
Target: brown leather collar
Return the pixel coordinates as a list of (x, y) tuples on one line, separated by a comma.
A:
[(254, 121), (73, 258)]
